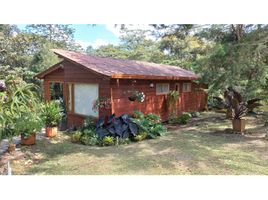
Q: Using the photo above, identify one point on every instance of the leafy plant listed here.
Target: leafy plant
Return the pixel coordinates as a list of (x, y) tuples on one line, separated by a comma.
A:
[(17, 100), (230, 94), (76, 136), (29, 123), (239, 110), (52, 113), (184, 118), (195, 114), (89, 139), (138, 114), (141, 136), (150, 124), (136, 95), (108, 141), (172, 98), (121, 127)]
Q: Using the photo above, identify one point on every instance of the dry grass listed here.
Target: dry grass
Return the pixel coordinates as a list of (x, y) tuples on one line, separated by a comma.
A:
[(202, 147)]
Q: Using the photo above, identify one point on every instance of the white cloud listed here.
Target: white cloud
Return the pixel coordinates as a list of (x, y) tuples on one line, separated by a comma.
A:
[(116, 29), (95, 44)]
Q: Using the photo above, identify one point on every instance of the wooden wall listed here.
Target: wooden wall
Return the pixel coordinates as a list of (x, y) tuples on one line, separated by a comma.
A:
[(74, 73), (121, 90)]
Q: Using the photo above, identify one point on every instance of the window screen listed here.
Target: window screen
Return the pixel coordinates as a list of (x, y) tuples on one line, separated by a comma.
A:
[(84, 97)]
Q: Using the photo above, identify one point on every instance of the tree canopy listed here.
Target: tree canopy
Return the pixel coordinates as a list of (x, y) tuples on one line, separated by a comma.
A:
[(223, 55)]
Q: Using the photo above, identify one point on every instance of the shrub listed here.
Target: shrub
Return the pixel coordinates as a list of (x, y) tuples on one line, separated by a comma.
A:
[(151, 124), (17, 99), (195, 114), (89, 139), (108, 141), (141, 136), (138, 115), (184, 118), (76, 136), (123, 141), (122, 127)]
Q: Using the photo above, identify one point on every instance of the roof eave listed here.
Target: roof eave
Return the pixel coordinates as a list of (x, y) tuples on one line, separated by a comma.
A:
[(42, 74), (151, 77)]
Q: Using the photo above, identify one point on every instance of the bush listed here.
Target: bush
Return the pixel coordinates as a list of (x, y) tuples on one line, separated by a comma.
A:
[(141, 136), (184, 118), (119, 130), (195, 114), (76, 136), (123, 141), (151, 124), (90, 140), (108, 141)]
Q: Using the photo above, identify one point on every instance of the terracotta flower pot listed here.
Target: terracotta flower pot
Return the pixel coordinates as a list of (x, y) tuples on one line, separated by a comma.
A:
[(29, 140), (51, 131), (229, 114), (11, 148), (239, 125)]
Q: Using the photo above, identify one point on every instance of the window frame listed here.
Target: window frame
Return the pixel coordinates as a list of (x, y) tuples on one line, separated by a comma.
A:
[(189, 89), (161, 93), (74, 102)]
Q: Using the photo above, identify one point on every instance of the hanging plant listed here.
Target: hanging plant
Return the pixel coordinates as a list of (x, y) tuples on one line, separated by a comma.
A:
[(102, 103), (136, 95)]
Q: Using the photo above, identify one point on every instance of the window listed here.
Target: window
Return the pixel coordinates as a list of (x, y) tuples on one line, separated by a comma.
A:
[(177, 87), (162, 88), (84, 97), (186, 87)]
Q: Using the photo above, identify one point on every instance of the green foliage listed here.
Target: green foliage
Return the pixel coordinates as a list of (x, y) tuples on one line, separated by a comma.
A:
[(195, 114), (89, 123), (19, 108), (52, 113), (150, 124), (90, 140), (184, 118), (29, 123), (122, 141), (76, 136), (137, 114), (108, 141), (141, 136), (172, 98)]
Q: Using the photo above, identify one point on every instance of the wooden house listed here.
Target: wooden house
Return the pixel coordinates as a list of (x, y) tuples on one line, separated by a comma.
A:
[(85, 79)]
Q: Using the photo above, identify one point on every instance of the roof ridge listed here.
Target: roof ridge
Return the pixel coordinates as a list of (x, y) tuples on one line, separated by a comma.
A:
[(119, 59)]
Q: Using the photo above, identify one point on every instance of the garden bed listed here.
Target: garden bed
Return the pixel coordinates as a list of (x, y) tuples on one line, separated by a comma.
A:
[(203, 146)]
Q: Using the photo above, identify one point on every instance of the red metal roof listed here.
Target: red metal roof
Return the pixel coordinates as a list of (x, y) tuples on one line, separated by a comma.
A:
[(117, 68)]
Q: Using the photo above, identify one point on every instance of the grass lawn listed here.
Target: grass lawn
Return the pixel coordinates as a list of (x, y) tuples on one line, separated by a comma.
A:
[(204, 146)]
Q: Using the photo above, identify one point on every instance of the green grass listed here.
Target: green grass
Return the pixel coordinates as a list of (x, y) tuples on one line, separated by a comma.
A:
[(201, 147)]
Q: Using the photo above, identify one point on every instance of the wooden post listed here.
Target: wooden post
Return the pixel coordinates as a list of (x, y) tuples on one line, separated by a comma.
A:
[(46, 86)]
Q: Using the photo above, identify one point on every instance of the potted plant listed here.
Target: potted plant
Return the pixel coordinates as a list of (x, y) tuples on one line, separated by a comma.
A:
[(27, 126), (239, 110), (52, 114), (136, 95), (8, 133)]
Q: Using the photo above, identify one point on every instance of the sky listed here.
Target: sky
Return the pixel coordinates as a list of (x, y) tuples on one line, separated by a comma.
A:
[(94, 35)]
